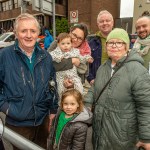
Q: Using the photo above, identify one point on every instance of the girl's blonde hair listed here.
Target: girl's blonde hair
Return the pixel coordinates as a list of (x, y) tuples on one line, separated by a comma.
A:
[(76, 94)]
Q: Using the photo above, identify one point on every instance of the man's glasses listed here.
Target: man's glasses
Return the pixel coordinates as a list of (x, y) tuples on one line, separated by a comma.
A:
[(74, 36), (117, 44)]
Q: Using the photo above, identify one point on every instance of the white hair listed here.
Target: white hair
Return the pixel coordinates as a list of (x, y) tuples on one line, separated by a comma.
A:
[(25, 16), (104, 12)]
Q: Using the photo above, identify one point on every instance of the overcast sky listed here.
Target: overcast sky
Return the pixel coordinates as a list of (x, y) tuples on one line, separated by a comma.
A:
[(126, 8)]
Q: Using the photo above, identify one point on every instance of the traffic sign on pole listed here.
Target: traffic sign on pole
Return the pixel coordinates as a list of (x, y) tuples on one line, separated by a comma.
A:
[(74, 16)]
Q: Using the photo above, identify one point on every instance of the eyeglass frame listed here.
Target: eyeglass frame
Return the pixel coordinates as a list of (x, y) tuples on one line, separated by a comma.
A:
[(79, 39), (114, 43)]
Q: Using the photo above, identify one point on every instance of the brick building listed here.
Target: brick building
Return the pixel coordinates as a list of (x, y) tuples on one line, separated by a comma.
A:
[(89, 9), (10, 9)]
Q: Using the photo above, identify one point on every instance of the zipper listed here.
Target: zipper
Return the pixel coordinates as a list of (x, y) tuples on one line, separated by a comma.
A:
[(32, 79), (23, 77), (64, 128), (42, 74)]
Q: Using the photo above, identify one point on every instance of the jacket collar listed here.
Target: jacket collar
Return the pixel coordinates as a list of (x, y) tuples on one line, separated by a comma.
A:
[(37, 49)]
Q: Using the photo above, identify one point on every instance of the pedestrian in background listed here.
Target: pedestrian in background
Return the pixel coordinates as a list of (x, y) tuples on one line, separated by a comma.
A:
[(48, 39), (142, 44), (120, 97), (70, 125), (105, 24), (25, 96)]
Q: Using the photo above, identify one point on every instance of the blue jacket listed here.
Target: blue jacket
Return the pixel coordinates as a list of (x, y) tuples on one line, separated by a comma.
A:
[(96, 52), (48, 39), (26, 95)]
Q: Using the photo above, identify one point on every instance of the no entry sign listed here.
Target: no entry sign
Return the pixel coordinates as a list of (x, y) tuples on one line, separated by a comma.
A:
[(74, 16)]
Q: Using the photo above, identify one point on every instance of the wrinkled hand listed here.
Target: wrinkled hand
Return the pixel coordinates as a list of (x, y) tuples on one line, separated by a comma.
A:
[(146, 146), (68, 83), (51, 117), (76, 61)]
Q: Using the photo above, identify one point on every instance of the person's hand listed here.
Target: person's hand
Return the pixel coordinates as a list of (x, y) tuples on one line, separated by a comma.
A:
[(92, 82), (51, 117), (146, 146), (90, 60), (76, 61), (68, 83)]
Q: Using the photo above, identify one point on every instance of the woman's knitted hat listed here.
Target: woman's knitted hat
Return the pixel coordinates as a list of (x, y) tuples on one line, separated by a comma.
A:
[(120, 34)]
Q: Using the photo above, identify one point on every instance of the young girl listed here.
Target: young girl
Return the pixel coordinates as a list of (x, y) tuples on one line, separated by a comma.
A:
[(69, 128), (65, 50)]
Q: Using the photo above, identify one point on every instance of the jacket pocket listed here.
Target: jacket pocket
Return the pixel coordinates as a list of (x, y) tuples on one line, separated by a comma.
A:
[(124, 129), (15, 108)]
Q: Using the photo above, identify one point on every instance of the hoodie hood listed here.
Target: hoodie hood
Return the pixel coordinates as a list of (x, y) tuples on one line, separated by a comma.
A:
[(47, 33), (85, 116), (134, 56)]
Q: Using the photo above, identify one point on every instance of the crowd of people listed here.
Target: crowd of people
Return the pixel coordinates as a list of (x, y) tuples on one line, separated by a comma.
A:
[(41, 91)]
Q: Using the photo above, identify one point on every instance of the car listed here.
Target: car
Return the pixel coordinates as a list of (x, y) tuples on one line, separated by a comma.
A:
[(7, 39), (133, 37)]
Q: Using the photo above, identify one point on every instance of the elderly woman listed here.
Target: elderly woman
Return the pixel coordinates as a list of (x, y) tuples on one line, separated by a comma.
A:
[(121, 96)]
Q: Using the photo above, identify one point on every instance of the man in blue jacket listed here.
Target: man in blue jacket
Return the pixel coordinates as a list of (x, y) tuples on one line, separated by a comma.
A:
[(25, 94)]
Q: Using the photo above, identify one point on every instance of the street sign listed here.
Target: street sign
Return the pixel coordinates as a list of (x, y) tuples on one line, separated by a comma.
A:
[(44, 6), (74, 16)]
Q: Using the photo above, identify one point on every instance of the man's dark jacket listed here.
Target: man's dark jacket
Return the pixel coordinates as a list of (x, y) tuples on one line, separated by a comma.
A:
[(24, 95)]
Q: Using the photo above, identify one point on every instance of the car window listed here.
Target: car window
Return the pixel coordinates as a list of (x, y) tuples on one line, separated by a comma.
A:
[(10, 38), (3, 36)]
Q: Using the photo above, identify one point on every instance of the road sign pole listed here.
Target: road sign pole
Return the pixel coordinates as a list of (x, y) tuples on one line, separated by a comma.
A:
[(54, 23)]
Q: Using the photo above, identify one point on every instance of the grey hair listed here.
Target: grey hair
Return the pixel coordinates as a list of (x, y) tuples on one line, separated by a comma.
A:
[(25, 16), (104, 12)]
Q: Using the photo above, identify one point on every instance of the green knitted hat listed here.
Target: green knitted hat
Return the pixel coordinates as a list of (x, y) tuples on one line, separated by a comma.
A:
[(120, 34)]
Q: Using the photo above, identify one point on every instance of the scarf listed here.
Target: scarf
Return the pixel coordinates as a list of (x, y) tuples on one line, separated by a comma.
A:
[(85, 49), (142, 45)]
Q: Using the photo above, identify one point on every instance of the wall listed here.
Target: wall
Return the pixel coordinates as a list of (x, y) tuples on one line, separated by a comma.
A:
[(89, 9)]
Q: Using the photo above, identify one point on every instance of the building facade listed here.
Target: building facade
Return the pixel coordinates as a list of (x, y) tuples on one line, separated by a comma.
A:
[(10, 9), (86, 11)]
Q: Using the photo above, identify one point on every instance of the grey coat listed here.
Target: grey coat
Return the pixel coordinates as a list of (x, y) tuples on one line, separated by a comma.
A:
[(122, 113), (73, 136)]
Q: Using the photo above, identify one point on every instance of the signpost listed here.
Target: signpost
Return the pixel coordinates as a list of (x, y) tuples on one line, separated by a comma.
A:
[(74, 16)]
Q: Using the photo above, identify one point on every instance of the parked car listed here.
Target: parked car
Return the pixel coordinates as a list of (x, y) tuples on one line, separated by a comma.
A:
[(133, 37), (7, 39)]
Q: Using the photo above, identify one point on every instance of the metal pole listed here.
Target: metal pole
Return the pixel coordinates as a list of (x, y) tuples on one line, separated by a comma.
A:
[(18, 140), (54, 24), (23, 6)]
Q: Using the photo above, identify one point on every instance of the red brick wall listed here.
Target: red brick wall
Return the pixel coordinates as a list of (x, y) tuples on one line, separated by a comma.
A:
[(89, 9)]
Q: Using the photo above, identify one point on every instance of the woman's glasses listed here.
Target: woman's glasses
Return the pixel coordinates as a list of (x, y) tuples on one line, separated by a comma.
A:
[(75, 37), (117, 44)]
